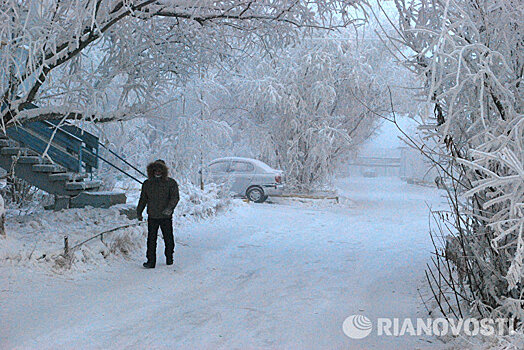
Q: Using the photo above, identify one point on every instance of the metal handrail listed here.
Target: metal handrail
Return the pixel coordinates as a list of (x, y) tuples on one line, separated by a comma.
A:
[(96, 154), (123, 160), (117, 168)]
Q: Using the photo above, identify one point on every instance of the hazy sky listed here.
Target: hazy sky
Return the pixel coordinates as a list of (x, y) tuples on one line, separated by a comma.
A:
[(387, 136)]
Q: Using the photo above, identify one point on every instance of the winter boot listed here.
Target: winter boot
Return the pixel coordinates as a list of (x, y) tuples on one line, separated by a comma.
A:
[(148, 265), (169, 260)]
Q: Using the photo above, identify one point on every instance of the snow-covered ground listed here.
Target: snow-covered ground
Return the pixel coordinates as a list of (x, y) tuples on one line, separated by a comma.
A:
[(279, 275)]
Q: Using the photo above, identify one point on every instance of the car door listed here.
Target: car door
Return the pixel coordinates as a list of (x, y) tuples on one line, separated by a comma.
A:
[(241, 173), (217, 172)]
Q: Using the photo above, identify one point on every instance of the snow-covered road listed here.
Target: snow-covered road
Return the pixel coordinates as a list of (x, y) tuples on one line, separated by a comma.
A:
[(269, 276)]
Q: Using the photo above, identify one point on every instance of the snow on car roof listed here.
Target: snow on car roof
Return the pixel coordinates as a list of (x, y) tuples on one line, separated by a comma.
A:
[(256, 162)]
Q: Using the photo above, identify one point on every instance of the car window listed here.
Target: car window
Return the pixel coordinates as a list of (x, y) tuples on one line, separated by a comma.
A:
[(218, 167), (241, 167)]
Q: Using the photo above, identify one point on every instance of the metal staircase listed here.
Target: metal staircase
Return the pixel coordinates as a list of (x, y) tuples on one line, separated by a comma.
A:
[(58, 159)]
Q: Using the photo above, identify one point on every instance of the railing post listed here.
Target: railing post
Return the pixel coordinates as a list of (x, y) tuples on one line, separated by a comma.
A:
[(80, 159), (96, 160)]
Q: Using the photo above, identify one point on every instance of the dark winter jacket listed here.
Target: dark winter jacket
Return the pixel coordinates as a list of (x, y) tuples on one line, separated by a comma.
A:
[(160, 195)]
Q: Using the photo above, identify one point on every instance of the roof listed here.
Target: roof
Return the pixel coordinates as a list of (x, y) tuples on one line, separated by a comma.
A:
[(256, 162)]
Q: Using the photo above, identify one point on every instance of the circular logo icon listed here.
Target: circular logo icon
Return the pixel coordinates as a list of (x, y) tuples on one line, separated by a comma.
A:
[(357, 326)]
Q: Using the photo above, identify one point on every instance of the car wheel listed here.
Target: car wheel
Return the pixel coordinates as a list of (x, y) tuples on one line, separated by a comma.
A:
[(256, 194)]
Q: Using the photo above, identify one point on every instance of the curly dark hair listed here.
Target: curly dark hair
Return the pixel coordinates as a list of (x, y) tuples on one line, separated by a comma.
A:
[(157, 165)]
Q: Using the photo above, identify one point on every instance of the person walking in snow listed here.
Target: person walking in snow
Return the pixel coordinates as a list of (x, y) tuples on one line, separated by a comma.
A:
[(160, 195)]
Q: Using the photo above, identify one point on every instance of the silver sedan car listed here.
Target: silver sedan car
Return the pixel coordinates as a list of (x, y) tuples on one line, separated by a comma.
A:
[(248, 177)]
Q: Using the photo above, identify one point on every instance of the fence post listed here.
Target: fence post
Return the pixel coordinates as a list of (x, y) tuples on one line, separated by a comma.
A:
[(66, 246)]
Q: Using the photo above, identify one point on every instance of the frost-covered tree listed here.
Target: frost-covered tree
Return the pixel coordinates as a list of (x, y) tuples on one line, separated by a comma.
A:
[(73, 58), (306, 108), (470, 53)]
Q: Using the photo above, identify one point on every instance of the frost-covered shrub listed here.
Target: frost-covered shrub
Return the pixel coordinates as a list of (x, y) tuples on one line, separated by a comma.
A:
[(125, 242), (18, 193), (470, 54), (203, 203)]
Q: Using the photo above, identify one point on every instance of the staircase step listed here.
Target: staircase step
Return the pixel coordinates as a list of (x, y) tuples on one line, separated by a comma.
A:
[(15, 150), (11, 151), (83, 185), (95, 199), (67, 177), (47, 168), (6, 143), (29, 160)]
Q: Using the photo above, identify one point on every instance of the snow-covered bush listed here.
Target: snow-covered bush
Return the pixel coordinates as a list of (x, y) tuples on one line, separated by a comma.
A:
[(470, 55), (198, 203), (18, 193)]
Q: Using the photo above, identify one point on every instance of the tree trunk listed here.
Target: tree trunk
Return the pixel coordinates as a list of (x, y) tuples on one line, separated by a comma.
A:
[(2, 217)]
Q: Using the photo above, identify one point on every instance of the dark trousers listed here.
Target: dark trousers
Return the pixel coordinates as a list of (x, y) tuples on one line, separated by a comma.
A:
[(166, 225)]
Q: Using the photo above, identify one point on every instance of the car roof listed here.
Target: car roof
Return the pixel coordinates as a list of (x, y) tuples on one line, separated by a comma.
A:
[(256, 162)]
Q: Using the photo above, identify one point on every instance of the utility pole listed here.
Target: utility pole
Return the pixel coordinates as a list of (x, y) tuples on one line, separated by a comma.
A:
[(201, 130)]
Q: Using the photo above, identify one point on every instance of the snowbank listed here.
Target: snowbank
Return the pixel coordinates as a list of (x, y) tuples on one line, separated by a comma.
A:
[(37, 238), (333, 201)]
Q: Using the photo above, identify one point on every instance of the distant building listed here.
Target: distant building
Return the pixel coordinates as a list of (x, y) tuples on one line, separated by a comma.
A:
[(415, 167), (376, 162), (387, 155)]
